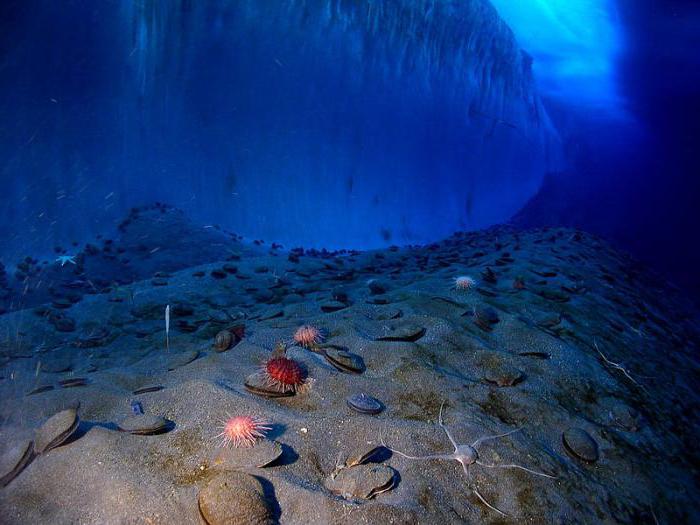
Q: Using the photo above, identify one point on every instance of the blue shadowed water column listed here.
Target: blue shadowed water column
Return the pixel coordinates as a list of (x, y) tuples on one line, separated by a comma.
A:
[(576, 45), (331, 123)]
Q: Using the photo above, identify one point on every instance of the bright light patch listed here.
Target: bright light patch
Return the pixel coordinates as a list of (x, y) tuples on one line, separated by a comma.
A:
[(575, 45)]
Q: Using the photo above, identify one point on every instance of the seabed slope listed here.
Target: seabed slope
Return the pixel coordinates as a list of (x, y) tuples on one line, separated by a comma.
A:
[(561, 334)]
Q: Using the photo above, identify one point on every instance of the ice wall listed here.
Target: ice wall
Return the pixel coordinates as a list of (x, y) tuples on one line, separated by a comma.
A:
[(319, 123)]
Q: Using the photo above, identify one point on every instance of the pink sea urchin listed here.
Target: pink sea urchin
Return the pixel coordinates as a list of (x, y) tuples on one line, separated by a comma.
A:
[(464, 283), (307, 336), (243, 431)]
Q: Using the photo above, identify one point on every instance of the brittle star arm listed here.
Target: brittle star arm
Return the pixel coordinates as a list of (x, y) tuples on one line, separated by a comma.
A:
[(486, 438), (432, 456), (475, 491), (449, 436), (617, 366), (512, 465)]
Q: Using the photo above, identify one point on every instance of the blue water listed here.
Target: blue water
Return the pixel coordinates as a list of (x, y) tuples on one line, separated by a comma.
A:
[(348, 124), (576, 45)]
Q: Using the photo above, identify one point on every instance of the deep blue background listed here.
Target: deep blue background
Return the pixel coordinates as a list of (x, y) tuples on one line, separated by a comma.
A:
[(643, 182), (633, 136), (633, 180)]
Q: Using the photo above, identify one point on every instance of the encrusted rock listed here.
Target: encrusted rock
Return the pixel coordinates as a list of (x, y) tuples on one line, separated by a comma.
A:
[(63, 323), (147, 389), (552, 294), (359, 458), (485, 317)]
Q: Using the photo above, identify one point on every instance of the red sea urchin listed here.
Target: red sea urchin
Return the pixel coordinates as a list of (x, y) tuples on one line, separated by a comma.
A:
[(242, 431), (307, 336), (281, 373)]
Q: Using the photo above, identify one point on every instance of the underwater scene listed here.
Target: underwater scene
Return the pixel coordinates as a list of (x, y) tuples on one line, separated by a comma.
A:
[(349, 261)]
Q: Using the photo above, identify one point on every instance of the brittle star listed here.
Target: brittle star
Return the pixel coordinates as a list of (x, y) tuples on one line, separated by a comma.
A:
[(467, 455), (618, 366)]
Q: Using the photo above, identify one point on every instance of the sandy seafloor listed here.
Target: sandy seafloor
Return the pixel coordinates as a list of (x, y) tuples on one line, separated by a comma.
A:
[(526, 348)]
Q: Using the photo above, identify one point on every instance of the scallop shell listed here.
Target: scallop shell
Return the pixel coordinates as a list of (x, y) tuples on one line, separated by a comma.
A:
[(56, 430), (580, 444), (182, 359), (256, 383), (402, 332), (144, 425), (360, 458), (344, 361), (13, 461), (234, 498), (362, 481), (263, 454), (365, 404), (503, 376), (223, 341)]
